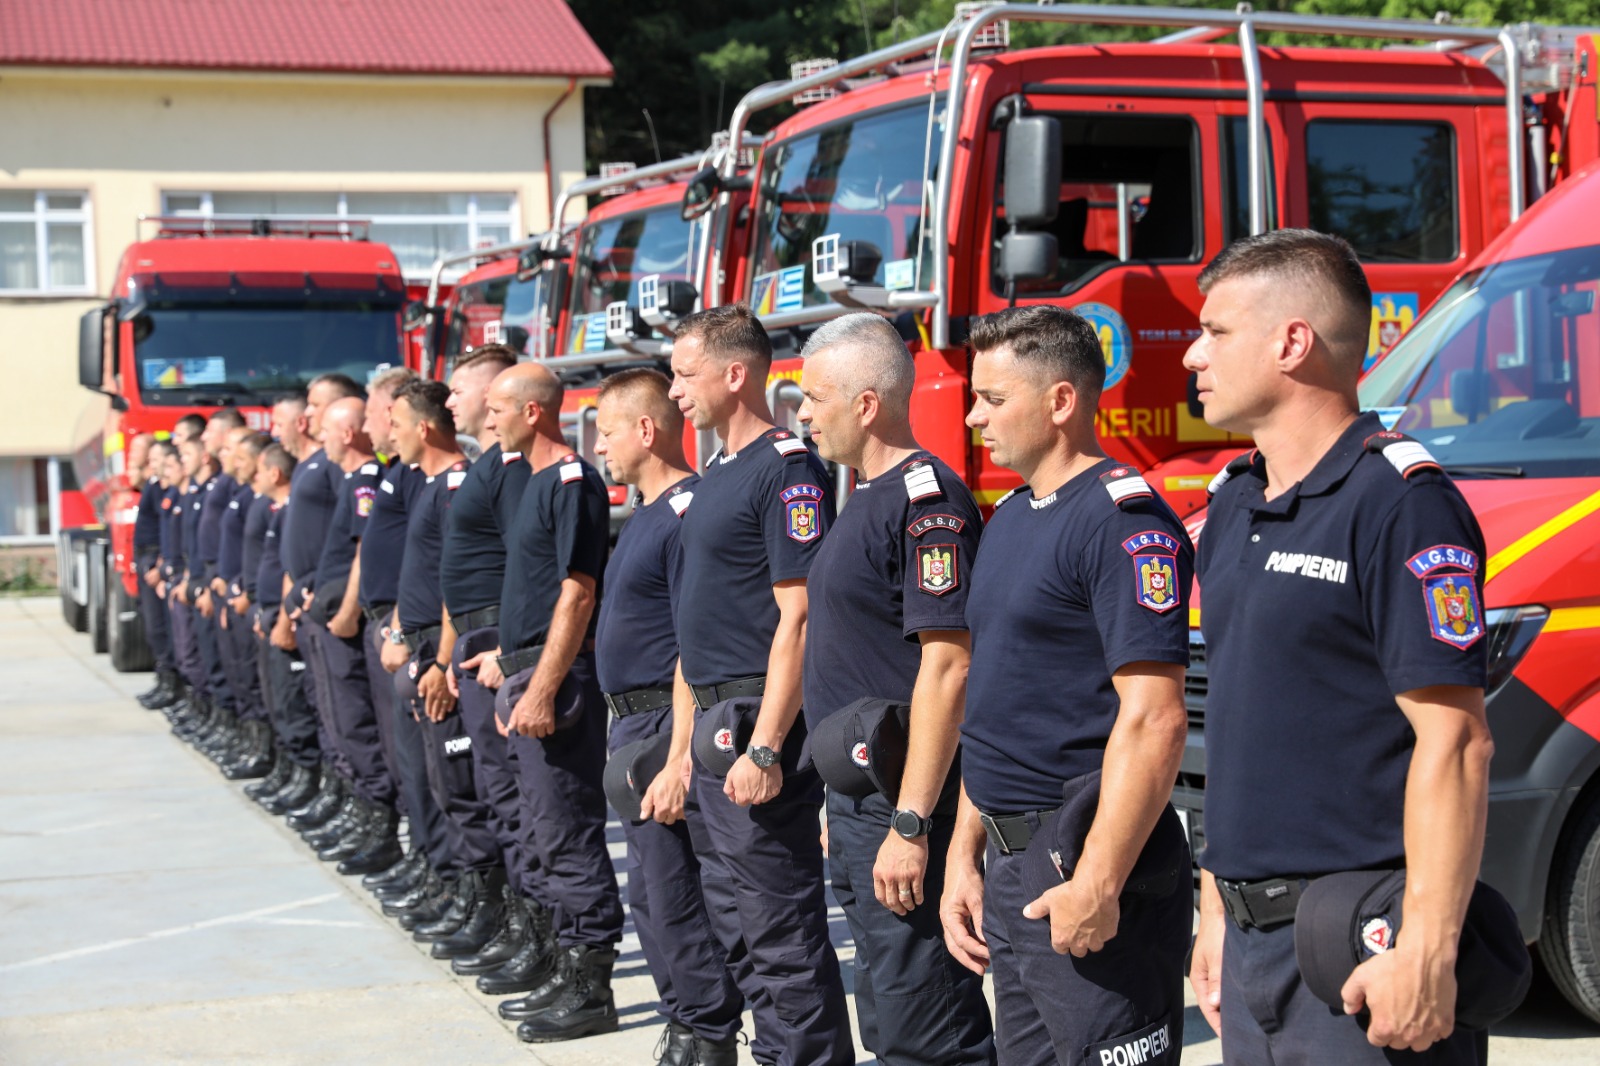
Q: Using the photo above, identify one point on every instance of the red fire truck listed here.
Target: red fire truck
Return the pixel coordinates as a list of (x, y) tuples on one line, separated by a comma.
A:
[(207, 313), (1104, 177), (1500, 380)]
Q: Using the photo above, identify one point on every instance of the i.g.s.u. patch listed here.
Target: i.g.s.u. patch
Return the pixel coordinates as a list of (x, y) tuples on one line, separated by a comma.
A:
[(800, 512), (937, 571), (935, 521), (1450, 593), (365, 494), (1155, 569)]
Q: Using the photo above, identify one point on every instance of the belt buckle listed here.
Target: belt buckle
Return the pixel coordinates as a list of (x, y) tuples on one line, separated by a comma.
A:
[(995, 836), (611, 703), (1234, 903)]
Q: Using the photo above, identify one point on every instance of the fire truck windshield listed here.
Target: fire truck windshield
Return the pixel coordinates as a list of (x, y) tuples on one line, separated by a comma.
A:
[(492, 311), (207, 352), (864, 179), (613, 254), (1502, 377)]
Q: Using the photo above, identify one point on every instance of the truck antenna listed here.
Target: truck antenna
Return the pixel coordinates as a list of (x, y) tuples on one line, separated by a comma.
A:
[(653, 142)]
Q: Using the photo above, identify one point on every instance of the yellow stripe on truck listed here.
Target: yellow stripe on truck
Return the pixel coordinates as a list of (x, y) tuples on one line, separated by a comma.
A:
[(1563, 619), (1534, 538)]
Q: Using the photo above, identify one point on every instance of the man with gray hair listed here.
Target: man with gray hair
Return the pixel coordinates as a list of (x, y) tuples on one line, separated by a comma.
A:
[(888, 596)]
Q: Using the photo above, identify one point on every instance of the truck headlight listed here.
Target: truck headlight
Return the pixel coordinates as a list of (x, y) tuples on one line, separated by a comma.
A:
[(1511, 631)]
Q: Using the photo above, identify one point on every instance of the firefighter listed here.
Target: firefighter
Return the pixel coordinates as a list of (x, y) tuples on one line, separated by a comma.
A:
[(761, 508), (1345, 551), (887, 593), (550, 710), (147, 538), (640, 436), (199, 470), (255, 756), (1068, 872), (424, 435), (220, 742), (496, 923)]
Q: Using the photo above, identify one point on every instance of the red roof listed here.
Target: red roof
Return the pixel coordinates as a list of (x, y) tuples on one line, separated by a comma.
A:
[(517, 38)]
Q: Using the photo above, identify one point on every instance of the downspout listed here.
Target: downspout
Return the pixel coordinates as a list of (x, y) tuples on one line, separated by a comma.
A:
[(549, 169)]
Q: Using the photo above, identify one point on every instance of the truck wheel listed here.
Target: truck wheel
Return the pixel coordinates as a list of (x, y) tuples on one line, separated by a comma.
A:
[(130, 654), (1569, 942), (97, 597), (73, 555)]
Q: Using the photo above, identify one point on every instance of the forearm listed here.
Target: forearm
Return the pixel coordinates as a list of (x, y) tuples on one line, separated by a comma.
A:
[(447, 637), (968, 841), (350, 606), (780, 701), (938, 702), (1447, 802), (682, 717), (569, 624)]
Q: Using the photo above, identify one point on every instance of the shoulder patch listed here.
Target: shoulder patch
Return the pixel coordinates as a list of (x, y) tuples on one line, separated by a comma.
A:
[(800, 504), (936, 521), (789, 445), (570, 472), (370, 468), (936, 568), (922, 481), (1236, 466), (1125, 485), (679, 502), (1007, 496), (1405, 454)]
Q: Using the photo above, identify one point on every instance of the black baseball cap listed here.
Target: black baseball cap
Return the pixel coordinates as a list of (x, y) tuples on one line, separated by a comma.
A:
[(723, 732), (630, 770), (861, 749), (568, 701), (1344, 919), (1053, 853)]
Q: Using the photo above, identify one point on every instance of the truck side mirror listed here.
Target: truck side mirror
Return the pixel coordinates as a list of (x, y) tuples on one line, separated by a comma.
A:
[(1027, 255), (555, 293), (414, 315), (516, 338), (1032, 171), (700, 193), (92, 347)]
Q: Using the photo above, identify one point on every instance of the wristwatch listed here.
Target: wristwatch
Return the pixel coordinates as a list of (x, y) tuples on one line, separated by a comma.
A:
[(910, 825), (761, 756), (396, 637)]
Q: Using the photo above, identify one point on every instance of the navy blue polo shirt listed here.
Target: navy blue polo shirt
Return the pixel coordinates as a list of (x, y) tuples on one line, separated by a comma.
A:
[(358, 491), (758, 518), (1319, 607), (230, 551), (312, 497), (193, 502), (253, 543), (383, 533), (421, 605), (147, 522), (563, 524), (213, 505), (474, 567), (1067, 590), (269, 575), (636, 644), (897, 562), (172, 527)]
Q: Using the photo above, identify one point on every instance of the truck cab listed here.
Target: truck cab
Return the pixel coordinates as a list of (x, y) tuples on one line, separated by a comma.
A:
[(1500, 380)]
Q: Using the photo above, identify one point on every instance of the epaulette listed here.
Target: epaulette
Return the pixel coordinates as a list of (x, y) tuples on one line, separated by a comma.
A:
[(1125, 484), (1007, 496), (788, 444), (507, 458), (369, 468), (1236, 466), (679, 500), (571, 470), (922, 481), (455, 476), (1405, 454)]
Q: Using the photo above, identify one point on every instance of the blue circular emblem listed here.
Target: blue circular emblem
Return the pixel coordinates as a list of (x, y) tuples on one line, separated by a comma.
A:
[(1115, 340)]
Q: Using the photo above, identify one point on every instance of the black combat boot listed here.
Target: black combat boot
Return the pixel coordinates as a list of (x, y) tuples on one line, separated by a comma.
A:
[(509, 936), (483, 919), (395, 872), (323, 806), (163, 694), (544, 993), (191, 716), (351, 815), (531, 966), (418, 894), (583, 1006), (355, 832), (300, 789), (410, 876), (256, 759), (469, 887), (378, 848), (218, 735), (676, 1046), (276, 778), (431, 908)]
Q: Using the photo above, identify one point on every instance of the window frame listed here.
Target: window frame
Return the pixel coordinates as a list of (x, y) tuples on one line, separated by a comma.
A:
[(1457, 216), (43, 216)]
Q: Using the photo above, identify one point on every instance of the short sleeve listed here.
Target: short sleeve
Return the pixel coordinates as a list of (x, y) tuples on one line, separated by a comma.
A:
[(1137, 569), (938, 547), (795, 515), (1422, 590), (580, 518), (363, 494)]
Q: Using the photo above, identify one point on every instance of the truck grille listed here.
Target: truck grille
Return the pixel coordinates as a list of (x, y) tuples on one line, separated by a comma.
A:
[(1195, 683)]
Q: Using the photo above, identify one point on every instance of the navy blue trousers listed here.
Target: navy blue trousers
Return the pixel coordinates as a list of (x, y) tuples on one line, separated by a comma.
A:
[(468, 842), (208, 634), (777, 919), (153, 613), (312, 636), (1270, 1019), (237, 644), (1124, 1000), (564, 808), (686, 960), (424, 819), (186, 645), (915, 1004), (352, 712), (293, 721)]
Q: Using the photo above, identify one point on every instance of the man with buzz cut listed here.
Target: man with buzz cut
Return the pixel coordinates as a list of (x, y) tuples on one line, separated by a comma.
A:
[(761, 509), (888, 597)]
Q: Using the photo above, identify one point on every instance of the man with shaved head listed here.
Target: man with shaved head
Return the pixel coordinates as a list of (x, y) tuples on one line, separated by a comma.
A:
[(1344, 549), (556, 729), (888, 596)]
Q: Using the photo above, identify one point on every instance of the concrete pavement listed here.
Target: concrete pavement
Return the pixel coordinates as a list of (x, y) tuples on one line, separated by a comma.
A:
[(149, 913)]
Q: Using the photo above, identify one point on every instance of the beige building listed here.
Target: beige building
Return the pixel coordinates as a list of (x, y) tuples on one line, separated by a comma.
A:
[(442, 144)]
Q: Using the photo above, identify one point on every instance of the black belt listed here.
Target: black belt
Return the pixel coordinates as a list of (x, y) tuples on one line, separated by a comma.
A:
[(379, 613), (706, 696), (515, 662), (482, 618), (1010, 833), (1261, 904), (639, 700), (417, 638)]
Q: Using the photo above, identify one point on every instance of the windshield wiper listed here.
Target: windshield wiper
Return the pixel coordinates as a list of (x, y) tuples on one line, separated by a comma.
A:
[(1470, 470)]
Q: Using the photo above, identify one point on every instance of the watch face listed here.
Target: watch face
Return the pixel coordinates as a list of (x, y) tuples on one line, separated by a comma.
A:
[(762, 757), (908, 824)]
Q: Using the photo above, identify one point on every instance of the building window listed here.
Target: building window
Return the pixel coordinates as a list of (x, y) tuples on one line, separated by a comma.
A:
[(419, 226), (44, 243)]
